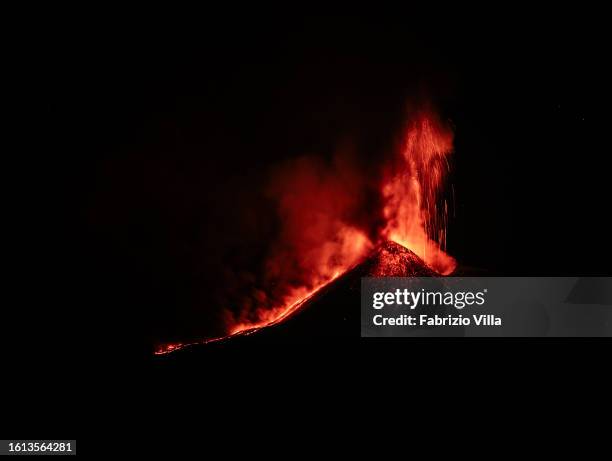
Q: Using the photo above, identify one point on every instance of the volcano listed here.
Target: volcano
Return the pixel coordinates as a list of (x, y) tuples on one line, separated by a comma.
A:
[(309, 285), (332, 311)]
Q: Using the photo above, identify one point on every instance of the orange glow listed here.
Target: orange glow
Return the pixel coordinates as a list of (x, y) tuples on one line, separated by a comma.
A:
[(273, 316), (327, 260), (321, 246), (267, 317), (413, 213)]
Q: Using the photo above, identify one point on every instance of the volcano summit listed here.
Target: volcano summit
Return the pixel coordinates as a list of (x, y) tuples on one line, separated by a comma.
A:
[(330, 312)]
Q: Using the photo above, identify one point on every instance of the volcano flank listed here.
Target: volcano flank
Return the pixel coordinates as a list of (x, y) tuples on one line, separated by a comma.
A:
[(331, 312)]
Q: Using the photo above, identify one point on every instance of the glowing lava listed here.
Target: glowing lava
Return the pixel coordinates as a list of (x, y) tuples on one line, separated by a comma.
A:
[(412, 194), (319, 244), (277, 315), (267, 319)]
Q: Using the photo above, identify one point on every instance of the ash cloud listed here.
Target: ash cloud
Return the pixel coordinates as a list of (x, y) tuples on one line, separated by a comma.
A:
[(323, 225)]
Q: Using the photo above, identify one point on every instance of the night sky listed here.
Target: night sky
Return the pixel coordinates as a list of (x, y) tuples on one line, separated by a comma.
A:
[(178, 133), (160, 135)]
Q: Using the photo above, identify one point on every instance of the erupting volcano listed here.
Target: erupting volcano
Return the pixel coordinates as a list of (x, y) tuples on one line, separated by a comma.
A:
[(323, 255)]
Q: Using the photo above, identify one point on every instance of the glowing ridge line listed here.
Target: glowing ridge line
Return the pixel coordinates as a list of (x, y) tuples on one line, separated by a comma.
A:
[(173, 347)]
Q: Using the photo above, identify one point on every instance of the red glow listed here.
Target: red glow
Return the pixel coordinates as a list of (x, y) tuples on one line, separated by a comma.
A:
[(414, 216), (333, 259), (277, 315), (319, 243)]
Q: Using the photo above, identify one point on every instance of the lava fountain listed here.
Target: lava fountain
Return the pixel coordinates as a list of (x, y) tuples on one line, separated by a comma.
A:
[(320, 244), (415, 215)]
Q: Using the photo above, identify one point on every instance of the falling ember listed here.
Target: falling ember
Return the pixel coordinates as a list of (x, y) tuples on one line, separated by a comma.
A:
[(413, 213), (318, 244)]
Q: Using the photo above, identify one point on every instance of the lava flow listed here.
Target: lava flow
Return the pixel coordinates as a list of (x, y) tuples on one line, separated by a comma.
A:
[(319, 243)]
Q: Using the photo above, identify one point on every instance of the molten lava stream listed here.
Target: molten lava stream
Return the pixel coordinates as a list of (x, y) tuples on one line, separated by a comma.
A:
[(273, 317), (313, 204), (282, 313)]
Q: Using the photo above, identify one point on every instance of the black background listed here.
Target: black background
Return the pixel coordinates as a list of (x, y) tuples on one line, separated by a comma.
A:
[(157, 132), (178, 128)]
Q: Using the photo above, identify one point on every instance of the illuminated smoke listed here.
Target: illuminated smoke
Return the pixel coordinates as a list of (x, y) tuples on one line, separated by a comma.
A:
[(322, 236)]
